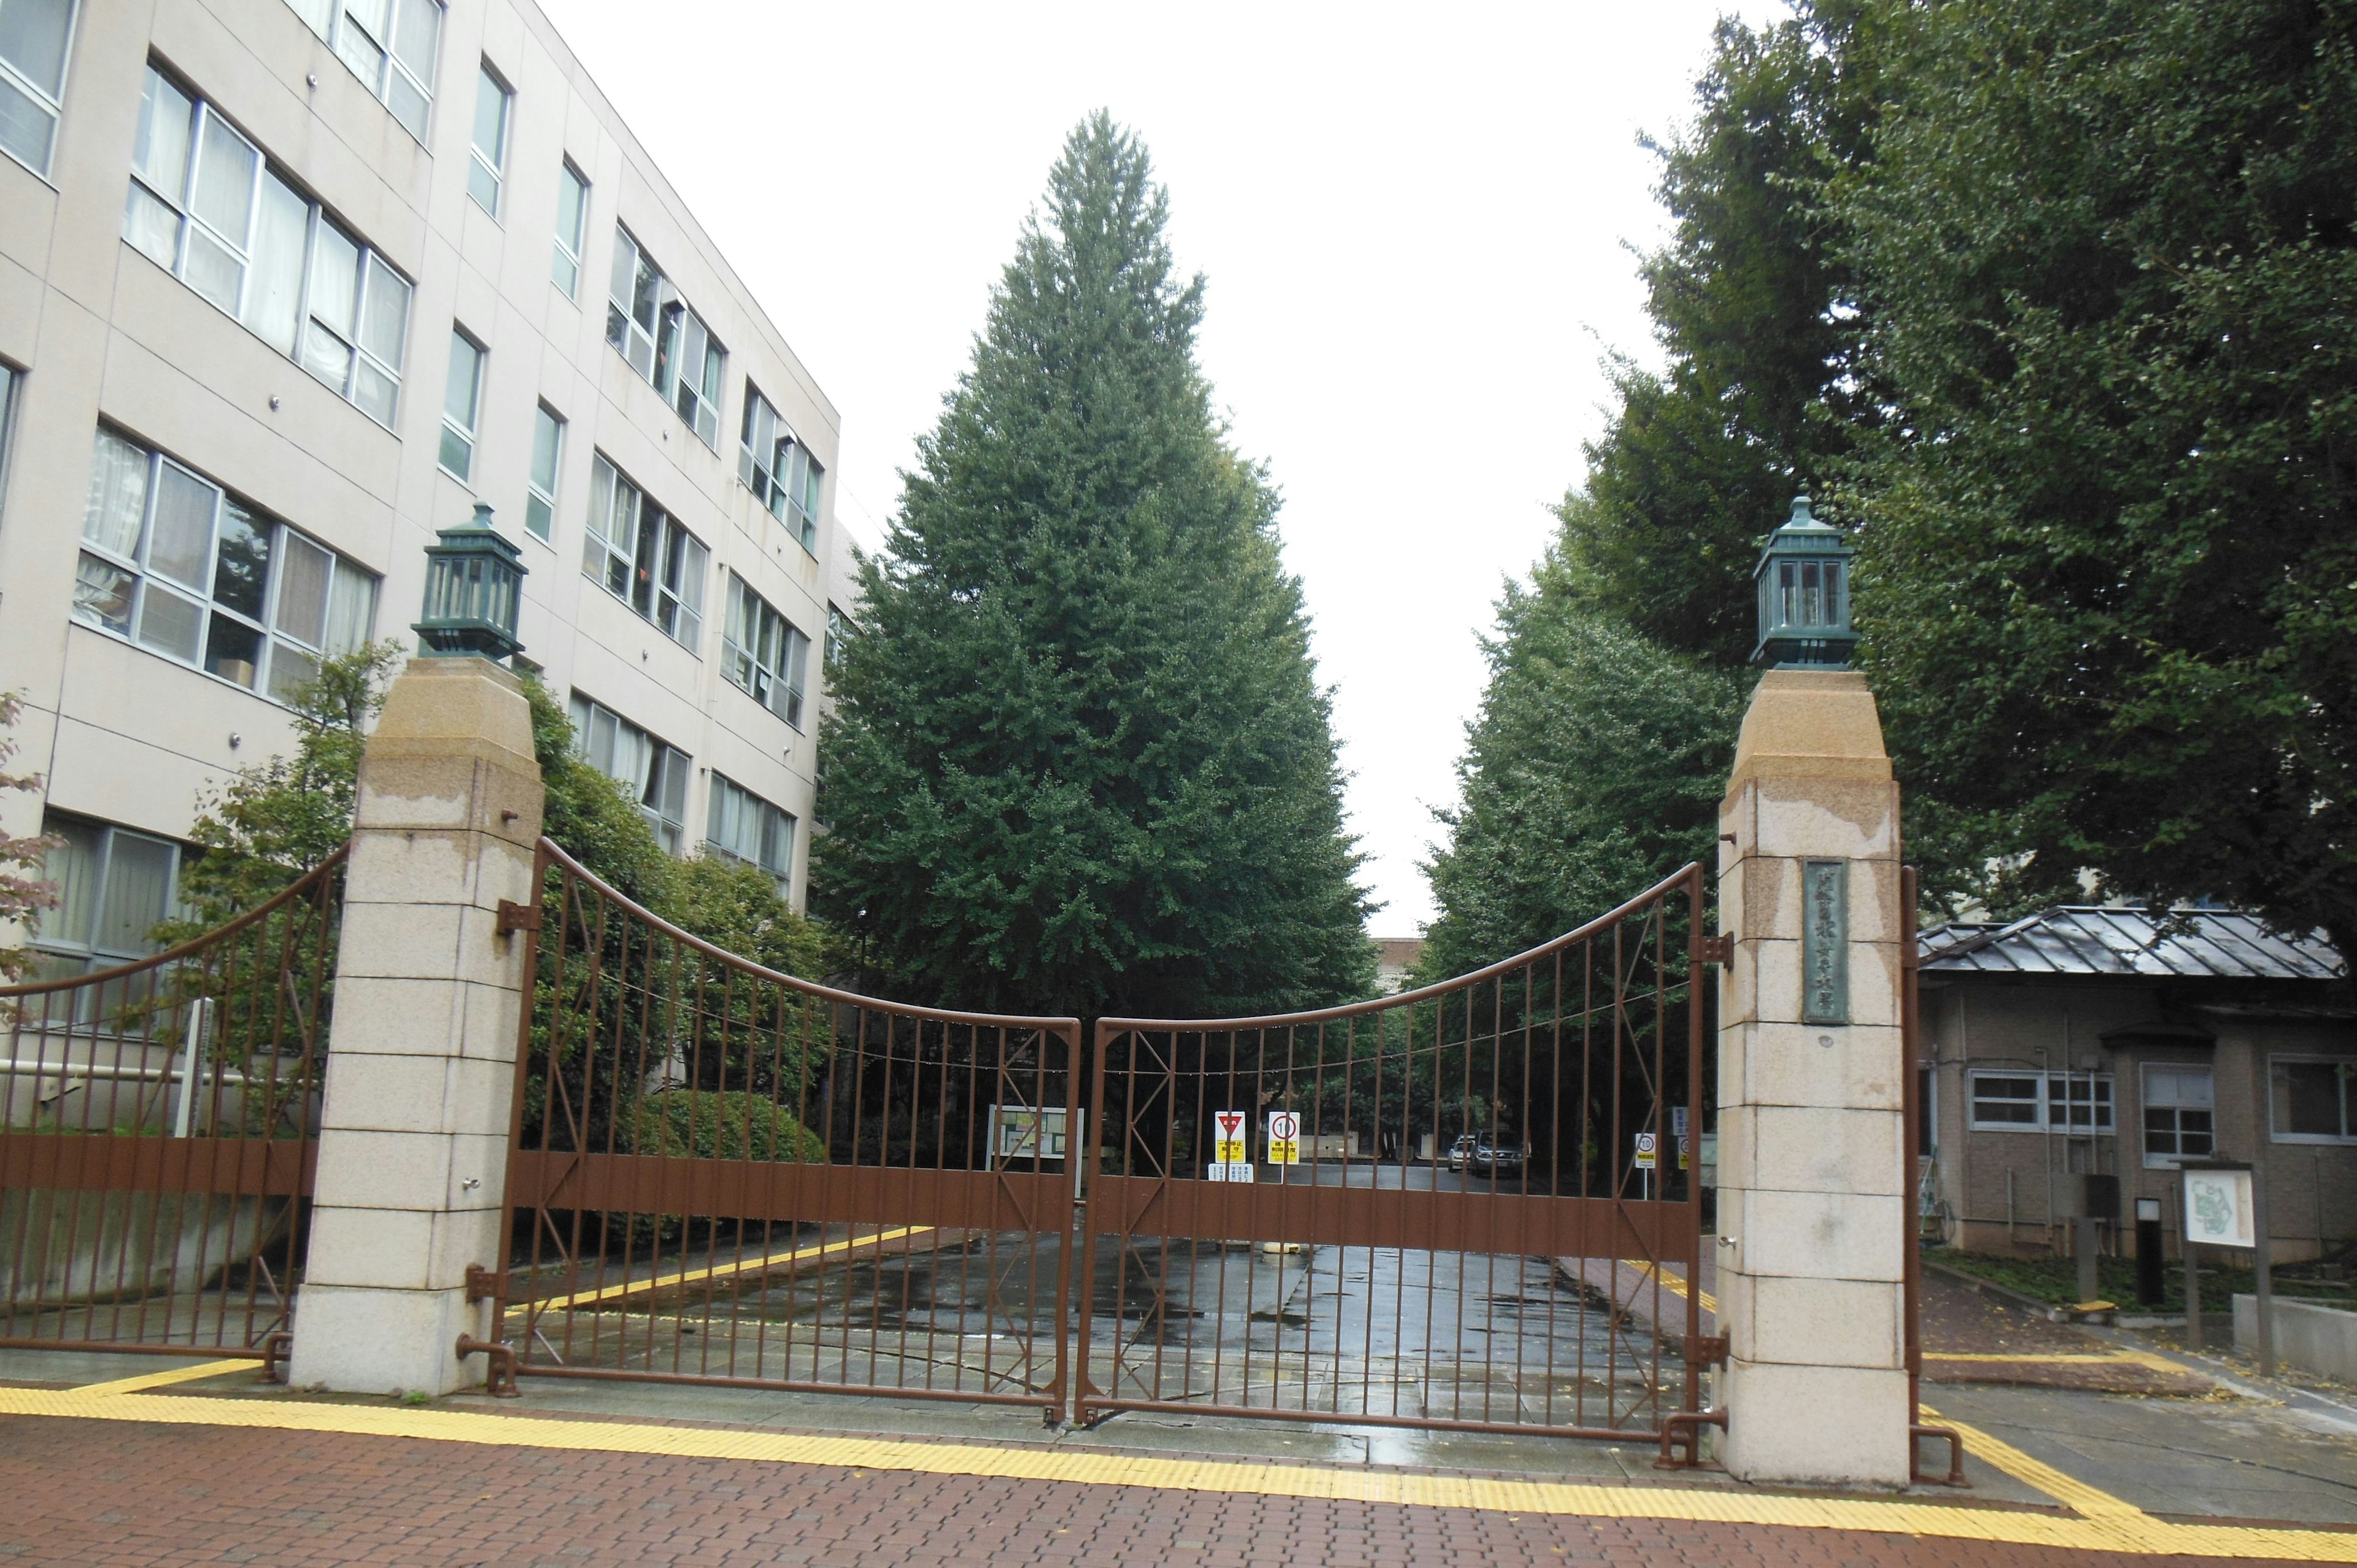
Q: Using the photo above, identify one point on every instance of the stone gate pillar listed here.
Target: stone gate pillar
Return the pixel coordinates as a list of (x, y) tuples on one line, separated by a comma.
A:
[(421, 1064), (1813, 1184)]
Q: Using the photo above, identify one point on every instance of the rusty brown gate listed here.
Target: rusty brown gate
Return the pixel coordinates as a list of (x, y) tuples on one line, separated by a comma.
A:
[(158, 1132), (1492, 1216), (729, 1174)]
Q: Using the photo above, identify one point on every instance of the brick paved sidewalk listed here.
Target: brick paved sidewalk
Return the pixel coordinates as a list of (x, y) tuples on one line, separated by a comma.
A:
[(115, 1492)]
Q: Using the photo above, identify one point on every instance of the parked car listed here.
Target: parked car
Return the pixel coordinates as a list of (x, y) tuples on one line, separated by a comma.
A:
[(1497, 1158), (1460, 1153)]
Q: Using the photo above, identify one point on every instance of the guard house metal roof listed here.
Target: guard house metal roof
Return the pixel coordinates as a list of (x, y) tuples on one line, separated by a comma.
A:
[(2200, 944)]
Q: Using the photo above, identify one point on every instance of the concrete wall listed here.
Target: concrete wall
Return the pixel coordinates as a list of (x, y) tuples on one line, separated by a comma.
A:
[(2322, 1339), (2034, 1025), (100, 332)]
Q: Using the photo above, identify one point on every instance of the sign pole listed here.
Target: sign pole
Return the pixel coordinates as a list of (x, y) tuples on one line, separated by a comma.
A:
[(2260, 1267), (2193, 1297)]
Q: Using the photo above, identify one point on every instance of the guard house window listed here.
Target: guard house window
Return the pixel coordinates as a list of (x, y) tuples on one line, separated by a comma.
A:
[(114, 886), (742, 826), (652, 329), (2178, 1111), (572, 230), (486, 159), (205, 205), (388, 44), (462, 398), (2024, 1102), (762, 652), (34, 35), (655, 774), (643, 556), (2310, 1101), (176, 565), (547, 449)]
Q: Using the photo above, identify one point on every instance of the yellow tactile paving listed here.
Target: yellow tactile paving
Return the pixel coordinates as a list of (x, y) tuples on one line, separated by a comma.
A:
[(719, 1271), (2068, 1490), (2126, 1531), (2124, 1356), (175, 1375), (1676, 1285)]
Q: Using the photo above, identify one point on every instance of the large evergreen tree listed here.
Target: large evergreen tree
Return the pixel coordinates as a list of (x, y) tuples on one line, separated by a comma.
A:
[(1594, 769), (1078, 760)]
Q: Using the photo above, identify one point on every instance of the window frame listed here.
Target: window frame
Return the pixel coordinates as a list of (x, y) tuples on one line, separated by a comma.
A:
[(273, 638), (2177, 1132), (771, 666), (669, 772), (41, 98), (87, 955), (626, 563), (491, 163), (2104, 1103), (2343, 1080), (540, 499), (388, 50), (657, 324), (766, 814), (350, 349), (574, 254), (805, 493), (456, 433)]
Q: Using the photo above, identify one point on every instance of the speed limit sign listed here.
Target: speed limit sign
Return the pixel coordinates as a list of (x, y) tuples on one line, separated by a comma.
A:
[(1284, 1137)]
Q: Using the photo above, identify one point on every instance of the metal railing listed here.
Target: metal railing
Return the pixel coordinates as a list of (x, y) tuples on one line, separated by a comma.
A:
[(158, 1127)]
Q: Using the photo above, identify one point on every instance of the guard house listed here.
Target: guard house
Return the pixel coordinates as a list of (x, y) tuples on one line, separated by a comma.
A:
[(2085, 1039)]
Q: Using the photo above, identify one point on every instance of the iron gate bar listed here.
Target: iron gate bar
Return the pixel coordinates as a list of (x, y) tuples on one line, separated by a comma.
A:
[(1139, 1103), (237, 1014), (630, 1011)]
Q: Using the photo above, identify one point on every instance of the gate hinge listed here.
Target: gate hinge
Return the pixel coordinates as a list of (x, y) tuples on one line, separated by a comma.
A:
[(515, 917), (484, 1284), (1716, 947), (1705, 1349)]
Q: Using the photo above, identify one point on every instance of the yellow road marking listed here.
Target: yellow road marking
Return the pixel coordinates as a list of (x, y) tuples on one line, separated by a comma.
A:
[(1676, 1285), (2144, 1359), (718, 1271), (2071, 1492), (165, 1380), (2125, 1529)]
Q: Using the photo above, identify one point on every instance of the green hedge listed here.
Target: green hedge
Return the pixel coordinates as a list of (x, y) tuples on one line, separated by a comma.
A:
[(722, 1125)]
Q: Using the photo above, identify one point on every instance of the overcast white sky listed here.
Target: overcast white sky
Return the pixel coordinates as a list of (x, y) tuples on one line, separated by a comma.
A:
[(1414, 223)]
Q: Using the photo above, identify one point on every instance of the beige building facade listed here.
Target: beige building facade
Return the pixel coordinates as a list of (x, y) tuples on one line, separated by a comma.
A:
[(288, 285)]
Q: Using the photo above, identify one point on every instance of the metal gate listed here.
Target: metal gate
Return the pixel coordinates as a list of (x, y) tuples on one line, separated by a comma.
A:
[(1492, 1224), (158, 1131), (731, 1175)]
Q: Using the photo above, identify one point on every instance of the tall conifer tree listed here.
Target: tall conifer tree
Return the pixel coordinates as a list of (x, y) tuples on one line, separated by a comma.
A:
[(1079, 760)]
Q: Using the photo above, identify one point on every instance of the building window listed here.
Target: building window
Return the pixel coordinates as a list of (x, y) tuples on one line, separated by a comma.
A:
[(33, 38), (652, 329), (656, 775), (547, 449), (571, 228), (388, 44), (176, 565), (207, 207), (114, 887), (462, 397), (2018, 1102), (487, 157), (838, 636), (643, 556), (760, 461), (803, 474), (2178, 1110), (9, 376), (742, 826), (2308, 1099), (762, 651)]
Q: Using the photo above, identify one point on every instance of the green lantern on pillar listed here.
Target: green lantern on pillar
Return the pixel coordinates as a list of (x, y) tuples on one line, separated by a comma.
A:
[(474, 581), (1803, 580)]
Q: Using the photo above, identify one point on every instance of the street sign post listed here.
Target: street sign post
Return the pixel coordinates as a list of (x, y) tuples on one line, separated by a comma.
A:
[(1230, 1147), (1284, 1140), (1645, 1158)]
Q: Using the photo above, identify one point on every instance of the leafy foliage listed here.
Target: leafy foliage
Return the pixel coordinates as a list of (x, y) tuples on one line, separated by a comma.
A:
[(2112, 589), (721, 1125), (1593, 769), (22, 898), (1077, 760)]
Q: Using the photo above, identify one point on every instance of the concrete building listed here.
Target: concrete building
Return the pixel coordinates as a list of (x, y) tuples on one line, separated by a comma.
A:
[(285, 286), (2091, 1040)]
